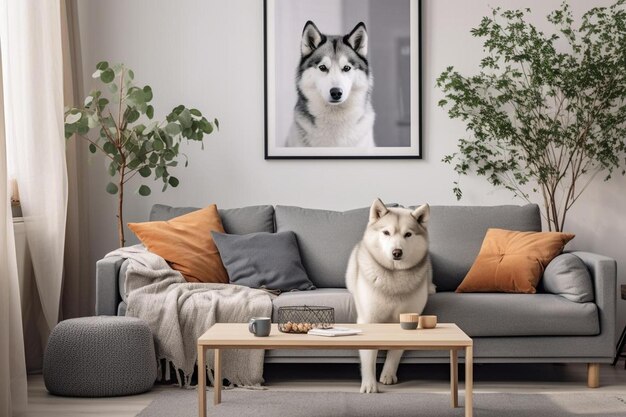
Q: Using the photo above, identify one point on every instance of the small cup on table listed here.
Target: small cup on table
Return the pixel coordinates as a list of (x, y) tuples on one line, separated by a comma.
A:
[(260, 326), (428, 322), (409, 321)]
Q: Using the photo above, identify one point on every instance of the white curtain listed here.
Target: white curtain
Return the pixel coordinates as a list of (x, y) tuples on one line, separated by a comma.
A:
[(13, 391), (33, 87)]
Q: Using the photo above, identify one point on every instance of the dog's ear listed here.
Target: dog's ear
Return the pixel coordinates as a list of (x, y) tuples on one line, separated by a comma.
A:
[(421, 214), (357, 39), (377, 210), (311, 38)]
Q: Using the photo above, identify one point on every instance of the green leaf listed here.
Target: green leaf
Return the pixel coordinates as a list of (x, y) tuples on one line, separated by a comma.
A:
[(92, 148), (83, 129), (88, 101), (73, 118), (150, 112), (136, 97), (158, 145), (145, 171), (109, 148), (172, 129), (131, 74), (159, 172), (111, 188), (185, 118), (195, 112), (133, 116), (102, 65), (70, 129), (134, 164), (107, 75), (217, 124), (144, 190), (112, 168), (173, 181), (102, 103), (147, 90)]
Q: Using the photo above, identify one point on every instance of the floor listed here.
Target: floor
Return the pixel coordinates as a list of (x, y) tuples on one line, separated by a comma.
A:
[(522, 378)]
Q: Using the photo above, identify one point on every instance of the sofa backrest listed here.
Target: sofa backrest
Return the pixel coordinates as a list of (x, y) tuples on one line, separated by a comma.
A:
[(325, 238), (236, 221), (456, 234)]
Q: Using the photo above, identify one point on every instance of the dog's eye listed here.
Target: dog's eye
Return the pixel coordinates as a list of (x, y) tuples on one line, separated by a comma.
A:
[(346, 68), (323, 68), (407, 235), (386, 233)]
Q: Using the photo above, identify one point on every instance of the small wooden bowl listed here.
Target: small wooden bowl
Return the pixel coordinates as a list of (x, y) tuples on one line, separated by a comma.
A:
[(409, 321), (428, 322)]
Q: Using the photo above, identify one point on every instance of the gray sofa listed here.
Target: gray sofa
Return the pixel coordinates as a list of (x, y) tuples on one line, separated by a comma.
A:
[(542, 327)]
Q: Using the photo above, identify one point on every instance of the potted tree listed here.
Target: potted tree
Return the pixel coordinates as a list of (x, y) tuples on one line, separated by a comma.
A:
[(546, 113), (128, 135)]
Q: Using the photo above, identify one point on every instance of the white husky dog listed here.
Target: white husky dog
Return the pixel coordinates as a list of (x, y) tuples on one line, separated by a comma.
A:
[(389, 273), (333, 82)]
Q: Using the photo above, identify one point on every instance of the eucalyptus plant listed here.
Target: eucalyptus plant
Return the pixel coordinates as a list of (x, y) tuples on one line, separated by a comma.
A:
[(128, 135), (546, 112)]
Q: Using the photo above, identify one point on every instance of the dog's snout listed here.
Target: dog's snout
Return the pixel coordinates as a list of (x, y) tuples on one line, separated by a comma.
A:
[(336, 93), (397, 254)]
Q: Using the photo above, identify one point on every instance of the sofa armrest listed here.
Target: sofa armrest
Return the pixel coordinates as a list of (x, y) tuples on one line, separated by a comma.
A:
[(604, 275), (107, 285)]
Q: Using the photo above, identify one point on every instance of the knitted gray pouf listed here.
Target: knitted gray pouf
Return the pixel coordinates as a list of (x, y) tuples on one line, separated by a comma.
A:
[(100, 356)]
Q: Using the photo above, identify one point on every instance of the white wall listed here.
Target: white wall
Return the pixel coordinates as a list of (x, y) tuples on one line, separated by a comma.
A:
[(209, 55)]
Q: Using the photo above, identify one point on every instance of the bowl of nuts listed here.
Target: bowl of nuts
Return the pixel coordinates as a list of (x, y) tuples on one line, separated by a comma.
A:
[(301, 319)]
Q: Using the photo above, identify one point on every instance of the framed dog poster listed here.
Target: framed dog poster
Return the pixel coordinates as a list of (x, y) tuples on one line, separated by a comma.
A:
[(342, 79)]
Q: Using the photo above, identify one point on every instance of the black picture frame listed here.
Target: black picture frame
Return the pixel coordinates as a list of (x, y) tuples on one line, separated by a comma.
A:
[(416, 122)]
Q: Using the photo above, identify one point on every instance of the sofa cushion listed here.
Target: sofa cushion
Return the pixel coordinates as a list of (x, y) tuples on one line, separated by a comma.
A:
[(185, 242), (456, 234), (326, 239), (263, 260), (568, 277), (479, 314), (499, 314), (338, 298), (512, 261), (237, 221)]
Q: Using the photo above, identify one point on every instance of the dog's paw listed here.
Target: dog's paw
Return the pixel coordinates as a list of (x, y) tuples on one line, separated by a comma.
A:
[(388, 379), (432, 289), (369, 387)]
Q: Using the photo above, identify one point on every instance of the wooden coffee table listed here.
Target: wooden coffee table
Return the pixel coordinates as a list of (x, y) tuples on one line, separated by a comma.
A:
[(445, 336)]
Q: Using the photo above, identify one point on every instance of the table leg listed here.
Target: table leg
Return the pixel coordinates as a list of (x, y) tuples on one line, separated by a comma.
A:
[(469, 381), (201, 381), (217, 385), (454, 378)]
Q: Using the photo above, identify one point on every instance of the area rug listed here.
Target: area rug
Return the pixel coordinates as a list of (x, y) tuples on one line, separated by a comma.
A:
[(243, 403)]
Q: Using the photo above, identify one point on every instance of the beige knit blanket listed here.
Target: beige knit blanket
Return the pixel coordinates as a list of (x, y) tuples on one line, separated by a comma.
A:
[(179, 312)]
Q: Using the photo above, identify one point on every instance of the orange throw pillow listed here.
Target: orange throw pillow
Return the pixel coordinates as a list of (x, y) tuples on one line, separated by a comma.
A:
[(186, 243), (512, 262)]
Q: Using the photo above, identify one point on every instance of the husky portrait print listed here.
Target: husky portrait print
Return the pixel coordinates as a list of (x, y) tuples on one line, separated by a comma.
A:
[(333, 83), (342, 79)]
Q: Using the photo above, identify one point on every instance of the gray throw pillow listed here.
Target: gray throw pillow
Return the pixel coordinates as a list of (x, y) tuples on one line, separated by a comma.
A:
[(263, 260), (567, 275)]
